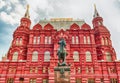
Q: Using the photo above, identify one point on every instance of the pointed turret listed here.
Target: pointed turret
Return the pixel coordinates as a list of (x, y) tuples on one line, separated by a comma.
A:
[(27, 12), (97, 19), (96, 14)]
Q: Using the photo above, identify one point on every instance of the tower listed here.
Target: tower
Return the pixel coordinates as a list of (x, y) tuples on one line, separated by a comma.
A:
[(18, 49), (105, 51)]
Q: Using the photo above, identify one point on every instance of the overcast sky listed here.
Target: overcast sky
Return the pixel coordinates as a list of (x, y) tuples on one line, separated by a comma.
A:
[(11, 11)]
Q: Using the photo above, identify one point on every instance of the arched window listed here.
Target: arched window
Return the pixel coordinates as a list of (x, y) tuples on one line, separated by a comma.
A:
[(46, 38), (35, 56), (73, 40), (34, 40), (88, 56), (49, 40), (77, 41), (38, 41), (17, 41), (47, 56), (106, 41), (88, 39), (108, 56), (85, 40), (103, 41), (20, 41), (76, 56), (15, 56)]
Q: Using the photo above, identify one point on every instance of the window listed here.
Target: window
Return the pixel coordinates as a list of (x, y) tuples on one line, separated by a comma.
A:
[(20, 41), (91, 81), (76, 56), (34, 40), (47, 40), (38, 41), (35, 56), (15, 56), (47, 56), (78, 80), (45, 81), (21, 79), (73, 40), (88, 56), (103, 41), (10, 80), (108, 56), (106, 41), (85, 40), (17, 41), (33, 69), (88, 39), (32, 80), (77, 41), (101, 80), (79, 70), (113, 80), (44, 70)]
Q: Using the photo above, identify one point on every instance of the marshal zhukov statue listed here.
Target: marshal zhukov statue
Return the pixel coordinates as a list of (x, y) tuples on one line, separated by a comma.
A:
[(62, 71), (62, 53)]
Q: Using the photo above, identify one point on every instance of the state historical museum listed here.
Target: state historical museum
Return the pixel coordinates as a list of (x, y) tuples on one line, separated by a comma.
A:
[(32, 55)]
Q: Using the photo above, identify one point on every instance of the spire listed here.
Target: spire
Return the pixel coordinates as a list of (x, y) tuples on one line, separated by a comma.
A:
[(96, 14), (27, 12)]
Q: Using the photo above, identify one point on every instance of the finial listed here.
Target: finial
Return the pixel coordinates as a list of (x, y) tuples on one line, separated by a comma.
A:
[(27, 12), (94, 6), (96, 14)]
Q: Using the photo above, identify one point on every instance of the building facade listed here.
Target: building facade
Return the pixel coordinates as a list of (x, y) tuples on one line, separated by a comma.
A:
[(32, 55)]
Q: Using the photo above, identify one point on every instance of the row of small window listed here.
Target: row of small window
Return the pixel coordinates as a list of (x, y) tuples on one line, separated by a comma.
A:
[(32, 80), (78, 70), (75, 40), (78, 80), (75, 56), (90, 80), (105, 41)]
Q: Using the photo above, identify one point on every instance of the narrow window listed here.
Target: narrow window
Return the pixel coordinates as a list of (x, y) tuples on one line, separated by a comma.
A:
[(20, 41), (88, 39), (34, 41), (49, 40), (46, 39), (17, 41), (103, 41), (73, 40), (38, 41), (85, 40), (106, 41), (77, 41)]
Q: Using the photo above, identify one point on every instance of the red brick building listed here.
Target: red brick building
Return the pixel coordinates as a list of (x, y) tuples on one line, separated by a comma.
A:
[(33, 53)]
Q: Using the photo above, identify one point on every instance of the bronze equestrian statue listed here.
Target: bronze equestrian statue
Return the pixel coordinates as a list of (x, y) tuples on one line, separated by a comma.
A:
[(62, 53)]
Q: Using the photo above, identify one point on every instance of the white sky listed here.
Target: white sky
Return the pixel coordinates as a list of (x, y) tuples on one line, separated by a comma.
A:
[(13, 10)]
